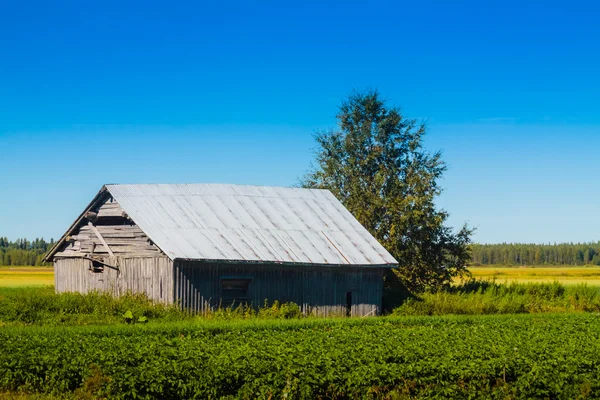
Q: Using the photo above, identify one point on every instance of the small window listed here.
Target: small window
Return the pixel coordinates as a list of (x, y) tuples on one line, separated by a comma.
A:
[(235, 290), (96, 267)]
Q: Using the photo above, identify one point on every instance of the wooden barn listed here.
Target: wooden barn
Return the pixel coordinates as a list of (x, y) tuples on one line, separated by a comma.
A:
[(205, 245)]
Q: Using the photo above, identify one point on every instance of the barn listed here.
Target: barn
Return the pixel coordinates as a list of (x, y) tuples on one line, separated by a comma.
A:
[(208, 245)]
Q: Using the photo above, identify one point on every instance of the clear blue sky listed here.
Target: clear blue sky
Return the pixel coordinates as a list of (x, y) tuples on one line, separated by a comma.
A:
[(232, 92)]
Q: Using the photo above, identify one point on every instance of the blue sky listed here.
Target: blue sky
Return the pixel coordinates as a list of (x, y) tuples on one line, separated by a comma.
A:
[(233, 91)]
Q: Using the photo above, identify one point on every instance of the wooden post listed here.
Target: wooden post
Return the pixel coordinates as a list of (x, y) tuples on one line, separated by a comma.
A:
[(101, 239)]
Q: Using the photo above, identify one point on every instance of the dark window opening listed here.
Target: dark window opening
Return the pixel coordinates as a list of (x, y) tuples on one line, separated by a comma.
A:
[(348, 304), (96, 267), (113, 220), (235, 291)]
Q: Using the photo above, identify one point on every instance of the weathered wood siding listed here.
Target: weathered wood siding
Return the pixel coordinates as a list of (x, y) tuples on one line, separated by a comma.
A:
[(123, 237), (139, 266), (151, 275), (318, 290)]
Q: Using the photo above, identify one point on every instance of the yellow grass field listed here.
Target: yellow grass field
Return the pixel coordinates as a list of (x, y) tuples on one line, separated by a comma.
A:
[(564, 275), (41, 276), (26, 276)]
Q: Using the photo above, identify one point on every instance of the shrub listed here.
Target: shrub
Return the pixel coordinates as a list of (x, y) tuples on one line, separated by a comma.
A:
[(488, 297), (277, 310), (41, 306)]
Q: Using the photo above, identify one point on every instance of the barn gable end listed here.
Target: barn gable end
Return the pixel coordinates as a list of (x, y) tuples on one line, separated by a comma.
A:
[(106, 231), (106, 251)]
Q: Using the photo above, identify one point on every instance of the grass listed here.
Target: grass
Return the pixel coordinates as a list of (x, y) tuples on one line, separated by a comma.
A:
[(26, 276), (41, 306), (534, 274), (488, 297), (37, 396)]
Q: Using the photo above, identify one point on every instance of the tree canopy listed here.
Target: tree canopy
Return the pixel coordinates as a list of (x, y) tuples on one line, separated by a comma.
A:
[(528, 254), (23, 251), (375, 164)]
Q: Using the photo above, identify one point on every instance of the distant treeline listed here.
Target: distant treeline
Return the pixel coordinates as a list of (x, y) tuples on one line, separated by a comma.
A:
[(536, 254), (23, 251), (26, 252)]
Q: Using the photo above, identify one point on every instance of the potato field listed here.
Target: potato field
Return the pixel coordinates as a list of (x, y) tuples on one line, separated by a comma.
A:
[(506, 356)]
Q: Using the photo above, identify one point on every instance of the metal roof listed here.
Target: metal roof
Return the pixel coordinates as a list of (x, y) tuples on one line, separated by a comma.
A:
[(250, 223)]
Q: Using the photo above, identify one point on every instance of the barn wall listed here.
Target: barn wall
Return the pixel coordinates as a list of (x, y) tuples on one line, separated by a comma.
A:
[(152, 275), (318, 290)]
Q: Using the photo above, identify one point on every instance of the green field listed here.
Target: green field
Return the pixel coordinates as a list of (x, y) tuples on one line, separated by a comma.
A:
[(90, 346), (527, 356)]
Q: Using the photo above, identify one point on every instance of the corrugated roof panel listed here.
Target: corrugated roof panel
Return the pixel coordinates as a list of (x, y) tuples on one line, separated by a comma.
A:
[(300, 249), (251, 209), (188, 207), (277, 246), (262, 248), (352, 252), (318, 250), (203, 210), (203, 241), (250, 223)]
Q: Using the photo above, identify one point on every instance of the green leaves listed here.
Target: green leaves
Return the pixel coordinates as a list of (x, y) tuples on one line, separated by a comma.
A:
[(128, 316), (375, 164), (42, 306), (546, 356), (130, 319)]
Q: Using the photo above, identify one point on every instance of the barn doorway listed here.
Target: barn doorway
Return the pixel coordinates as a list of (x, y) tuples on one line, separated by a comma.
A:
[(348, 304)]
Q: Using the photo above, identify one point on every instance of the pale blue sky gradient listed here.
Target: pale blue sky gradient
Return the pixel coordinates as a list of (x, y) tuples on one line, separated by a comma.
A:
[(232, 93)]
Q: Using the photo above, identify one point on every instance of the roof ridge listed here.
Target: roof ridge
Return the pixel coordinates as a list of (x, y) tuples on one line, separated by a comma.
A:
[(214, 184)]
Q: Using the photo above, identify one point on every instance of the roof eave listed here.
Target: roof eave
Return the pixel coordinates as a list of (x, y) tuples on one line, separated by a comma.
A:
[(284, 263)]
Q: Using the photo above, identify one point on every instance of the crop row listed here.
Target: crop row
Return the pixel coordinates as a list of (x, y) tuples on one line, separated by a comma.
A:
[(543, 356)]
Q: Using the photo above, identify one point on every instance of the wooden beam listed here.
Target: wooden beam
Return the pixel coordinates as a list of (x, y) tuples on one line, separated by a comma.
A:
[(91, 216), (116, 268), (101, 239)]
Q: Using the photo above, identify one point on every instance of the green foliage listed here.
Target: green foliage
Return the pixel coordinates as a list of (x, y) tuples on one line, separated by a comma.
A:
[(487, 297), (232, 312), (130, 319), (517, 357), (536, 254), (23, 251), (41, 306), (276, 310), (375, 164), (279, 311), (128, 316)]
